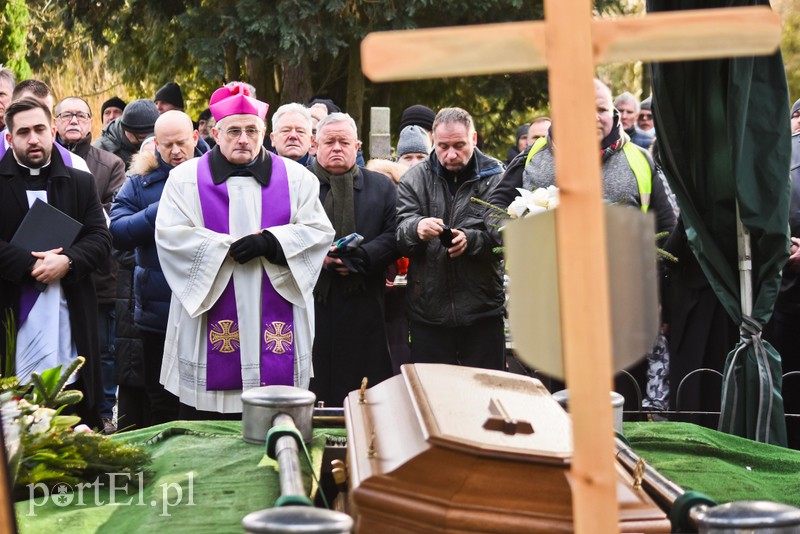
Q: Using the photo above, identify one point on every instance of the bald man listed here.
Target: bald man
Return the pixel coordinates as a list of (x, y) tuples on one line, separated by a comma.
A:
[(133, 220)]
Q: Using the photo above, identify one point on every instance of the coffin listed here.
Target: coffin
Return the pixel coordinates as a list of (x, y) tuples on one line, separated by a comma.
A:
[(442, 448)]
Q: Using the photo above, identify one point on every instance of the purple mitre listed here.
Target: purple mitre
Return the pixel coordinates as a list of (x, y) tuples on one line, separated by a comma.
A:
[(234, 99)]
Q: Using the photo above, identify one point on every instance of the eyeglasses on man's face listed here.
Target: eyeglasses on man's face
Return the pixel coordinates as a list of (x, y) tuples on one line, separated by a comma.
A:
[(235, 133), (67, 116)]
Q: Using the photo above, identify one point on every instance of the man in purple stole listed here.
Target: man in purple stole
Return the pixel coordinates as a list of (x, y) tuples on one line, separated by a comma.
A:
[(57, 320), (241, 237)]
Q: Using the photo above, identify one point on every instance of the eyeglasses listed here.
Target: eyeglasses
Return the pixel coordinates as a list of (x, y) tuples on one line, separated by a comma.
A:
[(235, 133), (67, 116), (646, 116)]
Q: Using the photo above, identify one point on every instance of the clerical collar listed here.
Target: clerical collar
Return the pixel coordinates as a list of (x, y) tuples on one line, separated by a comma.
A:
[(222, 169), (31, 170)]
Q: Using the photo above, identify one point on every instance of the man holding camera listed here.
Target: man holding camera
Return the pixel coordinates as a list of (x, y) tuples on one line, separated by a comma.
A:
[(350, 341), (455, 283)]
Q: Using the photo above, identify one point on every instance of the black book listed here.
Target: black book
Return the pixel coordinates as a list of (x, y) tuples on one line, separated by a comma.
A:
[(45, 227)]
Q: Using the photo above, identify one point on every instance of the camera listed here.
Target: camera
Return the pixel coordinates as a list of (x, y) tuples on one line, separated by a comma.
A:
[(446, 237)]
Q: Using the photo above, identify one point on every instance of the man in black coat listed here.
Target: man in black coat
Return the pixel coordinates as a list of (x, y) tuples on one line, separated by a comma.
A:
[(350, 340), (68, 303)]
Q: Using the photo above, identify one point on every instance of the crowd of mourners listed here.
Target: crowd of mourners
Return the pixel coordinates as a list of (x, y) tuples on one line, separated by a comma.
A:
[(234, 252)]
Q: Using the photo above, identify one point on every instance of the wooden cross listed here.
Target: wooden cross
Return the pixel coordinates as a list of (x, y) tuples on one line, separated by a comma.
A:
[(569, 43)]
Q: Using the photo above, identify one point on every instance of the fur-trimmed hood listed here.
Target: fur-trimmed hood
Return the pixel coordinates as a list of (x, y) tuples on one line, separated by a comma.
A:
[(143, 163)]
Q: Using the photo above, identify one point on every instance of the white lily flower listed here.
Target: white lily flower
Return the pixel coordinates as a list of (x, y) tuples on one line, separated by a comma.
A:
[(530, 203)]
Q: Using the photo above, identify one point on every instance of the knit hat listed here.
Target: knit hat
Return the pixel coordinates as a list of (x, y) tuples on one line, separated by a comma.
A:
[(795, 107), (328, 103), (171, 94), (139, 116), (647, 103), (418, 115), (413, 140), (113, 102), (235, 99), (522, 130)]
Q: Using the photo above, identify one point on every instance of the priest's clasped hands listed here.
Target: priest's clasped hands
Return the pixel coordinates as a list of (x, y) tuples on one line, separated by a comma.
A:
[(50, 266), (262, 244)]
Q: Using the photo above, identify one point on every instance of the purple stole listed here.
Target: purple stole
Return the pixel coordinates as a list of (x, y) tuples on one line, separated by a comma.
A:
[(29, 294), (224, 361)]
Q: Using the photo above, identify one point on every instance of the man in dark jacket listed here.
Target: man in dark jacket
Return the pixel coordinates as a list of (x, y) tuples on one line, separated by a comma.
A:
[(74, 127), (455, 285), (350, 341), (123, 136), (60, 322), (133, 219)]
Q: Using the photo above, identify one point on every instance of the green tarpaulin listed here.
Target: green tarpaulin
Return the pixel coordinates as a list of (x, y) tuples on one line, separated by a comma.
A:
[(723, 137), (217, 472)]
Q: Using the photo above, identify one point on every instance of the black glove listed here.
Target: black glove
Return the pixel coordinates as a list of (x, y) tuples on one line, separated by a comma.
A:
[(356, 260), (254, 246)]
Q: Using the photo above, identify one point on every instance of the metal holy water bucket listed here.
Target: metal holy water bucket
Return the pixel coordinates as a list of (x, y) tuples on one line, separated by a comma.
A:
[(261, 405), (297, 520), (748, 517), (617, 401)]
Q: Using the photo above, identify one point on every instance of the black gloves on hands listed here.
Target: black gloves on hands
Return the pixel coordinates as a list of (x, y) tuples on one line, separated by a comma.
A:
[(355, 259), (360, 260), (254, 246)]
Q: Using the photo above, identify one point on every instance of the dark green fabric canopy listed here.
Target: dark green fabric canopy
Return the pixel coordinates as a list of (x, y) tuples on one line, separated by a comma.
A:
[(723, 137)]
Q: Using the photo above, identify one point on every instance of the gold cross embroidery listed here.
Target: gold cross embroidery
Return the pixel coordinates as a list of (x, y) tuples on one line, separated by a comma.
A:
[(224, 336), (275, 337)]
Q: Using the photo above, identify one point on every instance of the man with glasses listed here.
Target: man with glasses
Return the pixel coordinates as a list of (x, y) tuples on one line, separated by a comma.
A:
[(645, 127), (124, 135), (241, 236), (74, 132), (41, 91)]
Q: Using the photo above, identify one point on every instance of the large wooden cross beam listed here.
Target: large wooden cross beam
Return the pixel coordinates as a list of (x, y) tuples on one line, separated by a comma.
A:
[(569, 43)]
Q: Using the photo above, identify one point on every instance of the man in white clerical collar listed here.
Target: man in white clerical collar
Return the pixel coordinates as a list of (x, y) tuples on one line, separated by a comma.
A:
[(50, 291), (241, 237)]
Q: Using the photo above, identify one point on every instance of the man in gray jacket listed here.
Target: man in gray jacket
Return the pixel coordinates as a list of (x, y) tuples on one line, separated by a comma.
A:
[(455, 284)]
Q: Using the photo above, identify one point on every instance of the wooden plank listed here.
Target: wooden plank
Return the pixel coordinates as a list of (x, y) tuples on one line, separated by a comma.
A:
[(8, 520), (520, 46), (683, 35), (457, 51), (582, 264)]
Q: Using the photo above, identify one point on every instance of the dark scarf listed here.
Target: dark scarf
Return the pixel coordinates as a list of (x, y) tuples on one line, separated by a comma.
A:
[(340, 208), (614, 140)]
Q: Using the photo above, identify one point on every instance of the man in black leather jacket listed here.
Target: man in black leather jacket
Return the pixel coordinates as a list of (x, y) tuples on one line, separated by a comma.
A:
[(455, 284)]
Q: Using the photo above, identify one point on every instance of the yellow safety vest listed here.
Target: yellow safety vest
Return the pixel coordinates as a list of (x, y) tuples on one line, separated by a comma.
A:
[(637, 161)]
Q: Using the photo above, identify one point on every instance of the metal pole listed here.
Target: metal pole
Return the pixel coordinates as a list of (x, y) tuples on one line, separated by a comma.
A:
[(288, 457), (745, 265)]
